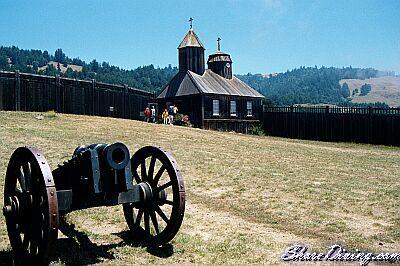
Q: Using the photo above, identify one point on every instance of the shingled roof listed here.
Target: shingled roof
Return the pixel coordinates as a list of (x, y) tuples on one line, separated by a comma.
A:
[(190, 40), (189, 83)]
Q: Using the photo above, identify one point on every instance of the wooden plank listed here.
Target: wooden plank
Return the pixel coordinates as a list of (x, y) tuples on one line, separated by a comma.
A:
[(1, 93)]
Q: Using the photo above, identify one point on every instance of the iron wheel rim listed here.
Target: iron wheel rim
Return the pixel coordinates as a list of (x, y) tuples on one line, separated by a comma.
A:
[(33, 231)]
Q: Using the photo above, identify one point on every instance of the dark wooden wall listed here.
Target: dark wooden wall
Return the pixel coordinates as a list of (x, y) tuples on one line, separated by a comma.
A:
[(28, 92), (240, 126), (224, 106), (221, 68), (364, 125), (224, 122), (191, 58), (192, 105)]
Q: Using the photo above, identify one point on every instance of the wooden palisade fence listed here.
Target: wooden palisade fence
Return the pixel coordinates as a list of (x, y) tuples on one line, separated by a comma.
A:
[(29, 92), (347, 124)]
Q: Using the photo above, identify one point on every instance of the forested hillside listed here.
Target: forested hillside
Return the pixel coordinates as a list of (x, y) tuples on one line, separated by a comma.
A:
[(309, 84), (42, 62), (305, 85)]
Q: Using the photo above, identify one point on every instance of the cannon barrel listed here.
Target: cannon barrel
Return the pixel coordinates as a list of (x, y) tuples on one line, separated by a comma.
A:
[(114, 155)]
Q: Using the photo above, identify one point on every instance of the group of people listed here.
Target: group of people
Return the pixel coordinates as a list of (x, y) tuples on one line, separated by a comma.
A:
[(167, 116)]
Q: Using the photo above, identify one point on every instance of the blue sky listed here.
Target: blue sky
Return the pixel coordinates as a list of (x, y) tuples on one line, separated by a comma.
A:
[(263, 36)]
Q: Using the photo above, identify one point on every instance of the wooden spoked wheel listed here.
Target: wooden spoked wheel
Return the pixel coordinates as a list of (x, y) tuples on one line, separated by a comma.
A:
[(158, 217), (30, 207)]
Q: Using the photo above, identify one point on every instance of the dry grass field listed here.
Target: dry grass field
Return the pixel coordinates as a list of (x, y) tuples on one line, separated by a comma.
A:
[(248, 197), (383, 89), (63, 69)]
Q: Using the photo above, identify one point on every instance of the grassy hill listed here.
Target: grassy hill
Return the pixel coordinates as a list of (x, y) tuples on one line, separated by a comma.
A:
[(63, 68), (312, 85), (248, 197), (383, 89)]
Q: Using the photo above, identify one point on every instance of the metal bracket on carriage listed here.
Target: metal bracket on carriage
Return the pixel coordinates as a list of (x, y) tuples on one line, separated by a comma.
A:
[(149, 185)]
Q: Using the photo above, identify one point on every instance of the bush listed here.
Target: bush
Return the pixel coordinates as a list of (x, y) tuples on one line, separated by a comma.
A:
[(257, 130), (365, 89), (182, 120), (50, 114), (345, 91)]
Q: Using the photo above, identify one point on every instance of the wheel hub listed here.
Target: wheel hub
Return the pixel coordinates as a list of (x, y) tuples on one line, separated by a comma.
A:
[(147, 195), (12, 207), (146, 192)]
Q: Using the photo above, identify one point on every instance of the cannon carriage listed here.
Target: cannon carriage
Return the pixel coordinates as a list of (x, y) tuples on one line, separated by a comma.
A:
[(148, 185)]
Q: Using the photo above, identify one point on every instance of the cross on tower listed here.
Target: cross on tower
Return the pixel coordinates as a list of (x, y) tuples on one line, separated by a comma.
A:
[(191, 23), (219, 45)]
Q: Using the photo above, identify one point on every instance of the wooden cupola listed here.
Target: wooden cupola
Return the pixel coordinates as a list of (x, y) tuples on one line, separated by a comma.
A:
[(220, 62), (191, 53)]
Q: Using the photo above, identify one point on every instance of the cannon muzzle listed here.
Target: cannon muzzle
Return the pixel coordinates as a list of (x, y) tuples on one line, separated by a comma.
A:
[(115, 156)]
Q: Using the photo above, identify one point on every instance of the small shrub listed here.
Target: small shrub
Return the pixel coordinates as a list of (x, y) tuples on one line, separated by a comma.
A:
[(257, 130), (50, 114), (182, 120), (177, 117), (365, 89)]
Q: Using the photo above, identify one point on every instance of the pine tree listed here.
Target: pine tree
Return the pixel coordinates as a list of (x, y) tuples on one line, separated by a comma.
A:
[(59, 56)]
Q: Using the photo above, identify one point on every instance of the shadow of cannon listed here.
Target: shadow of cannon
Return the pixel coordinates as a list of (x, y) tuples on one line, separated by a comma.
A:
[(6, 257), (77, 248)]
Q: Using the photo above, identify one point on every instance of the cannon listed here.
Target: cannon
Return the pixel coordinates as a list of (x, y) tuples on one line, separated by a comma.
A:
[(149, 186)]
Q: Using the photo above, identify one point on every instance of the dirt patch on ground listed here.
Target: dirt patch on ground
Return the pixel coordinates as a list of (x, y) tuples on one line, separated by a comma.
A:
[(365, 225), (214, 226)]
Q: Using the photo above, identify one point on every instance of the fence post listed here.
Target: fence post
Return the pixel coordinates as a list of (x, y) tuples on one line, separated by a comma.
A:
[(291, 123), (58, 94), (17, 91), (370, 127), (94, 103), (125, 100), (1, 95), (326, 123)]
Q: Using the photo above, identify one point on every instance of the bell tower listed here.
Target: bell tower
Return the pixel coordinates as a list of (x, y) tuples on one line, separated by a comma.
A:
[(220, 62), (191, 52)]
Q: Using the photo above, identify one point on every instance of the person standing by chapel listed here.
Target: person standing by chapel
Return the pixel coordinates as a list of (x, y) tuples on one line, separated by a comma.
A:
[(153, 114), (147, 115), (165, 116), (171, 114)]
